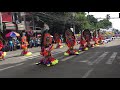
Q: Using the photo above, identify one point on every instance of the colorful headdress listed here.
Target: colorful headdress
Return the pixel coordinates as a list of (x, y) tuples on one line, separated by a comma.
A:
[(70, 38), (46, 39)]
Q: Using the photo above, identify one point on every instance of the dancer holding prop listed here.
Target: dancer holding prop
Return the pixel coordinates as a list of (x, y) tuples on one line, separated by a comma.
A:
[(70, 41), (83, 44), (46, 48), (95, 38), (24, 46), (58, 40)]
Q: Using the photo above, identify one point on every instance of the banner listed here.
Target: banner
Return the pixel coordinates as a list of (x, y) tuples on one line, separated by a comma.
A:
[(6, 16)]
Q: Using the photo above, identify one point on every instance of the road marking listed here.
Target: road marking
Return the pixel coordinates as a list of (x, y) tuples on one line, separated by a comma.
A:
[(89, 63), (11, 67), (118, 57), (70, 57), (60, 57), (67, 58), (112, 58), (99, 58), (83, 61), (87, 73)]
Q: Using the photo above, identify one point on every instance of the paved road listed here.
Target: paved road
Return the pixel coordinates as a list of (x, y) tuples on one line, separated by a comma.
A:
[(98, 62)]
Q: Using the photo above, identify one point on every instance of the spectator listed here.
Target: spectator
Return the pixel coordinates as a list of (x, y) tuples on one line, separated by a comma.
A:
[(38, 42), (10, 45), (18, 44)]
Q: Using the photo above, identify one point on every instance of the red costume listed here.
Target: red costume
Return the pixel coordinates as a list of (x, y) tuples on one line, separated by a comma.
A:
[(2, 54), (70, 41), (46, 48), (83, 44), (100, 38), (87, 36), (58, 40), (95, 38)]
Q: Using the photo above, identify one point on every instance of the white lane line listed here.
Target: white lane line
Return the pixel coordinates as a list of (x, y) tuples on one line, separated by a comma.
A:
[(83, 61), (67, 58), (112, 58), (70, 57), (87, 73), (89, 58), (89, 63), (60, 57), (11, 67), (99, 58)]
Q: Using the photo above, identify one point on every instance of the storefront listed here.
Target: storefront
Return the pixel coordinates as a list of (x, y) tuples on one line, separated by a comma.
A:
[(10, 26)]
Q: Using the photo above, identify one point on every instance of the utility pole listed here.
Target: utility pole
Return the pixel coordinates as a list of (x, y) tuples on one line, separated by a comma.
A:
[(73, 22), (24, 17), (1, 22)]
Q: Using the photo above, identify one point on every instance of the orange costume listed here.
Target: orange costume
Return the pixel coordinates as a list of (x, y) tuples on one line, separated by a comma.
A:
[(24, 46)]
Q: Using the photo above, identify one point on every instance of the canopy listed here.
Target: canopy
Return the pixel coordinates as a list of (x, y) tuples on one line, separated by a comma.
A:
[(12, 34)]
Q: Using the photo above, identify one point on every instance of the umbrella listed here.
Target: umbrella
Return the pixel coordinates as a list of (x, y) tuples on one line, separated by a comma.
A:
[(12, 34)]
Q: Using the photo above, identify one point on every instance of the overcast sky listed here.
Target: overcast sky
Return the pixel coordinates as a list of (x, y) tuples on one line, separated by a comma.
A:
[(115, 22)]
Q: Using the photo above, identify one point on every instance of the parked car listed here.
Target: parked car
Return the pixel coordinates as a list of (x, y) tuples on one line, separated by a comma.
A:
[(105, 41)]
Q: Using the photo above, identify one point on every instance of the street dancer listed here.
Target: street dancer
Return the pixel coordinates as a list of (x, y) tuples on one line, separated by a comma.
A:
[(83, 44), (24, 46), (2, 54), (70, 42), (95, 38), (46, 48), (58, 40)]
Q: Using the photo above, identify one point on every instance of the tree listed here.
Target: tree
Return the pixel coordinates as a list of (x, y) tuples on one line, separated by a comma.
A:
[(92, 21), (82, 20), (105, 24)]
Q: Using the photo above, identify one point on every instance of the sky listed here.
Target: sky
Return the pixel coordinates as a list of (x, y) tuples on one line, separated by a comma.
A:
[(115, 22)]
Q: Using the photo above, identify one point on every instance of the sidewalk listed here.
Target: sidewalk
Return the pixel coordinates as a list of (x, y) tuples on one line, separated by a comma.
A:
[(18, 52)]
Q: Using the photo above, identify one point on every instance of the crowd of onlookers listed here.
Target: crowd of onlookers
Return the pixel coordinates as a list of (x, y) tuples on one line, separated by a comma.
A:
[(13, 44)]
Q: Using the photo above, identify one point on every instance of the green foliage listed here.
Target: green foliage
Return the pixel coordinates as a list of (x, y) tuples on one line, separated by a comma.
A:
[(104, 24), (80, 19), (90, 22)]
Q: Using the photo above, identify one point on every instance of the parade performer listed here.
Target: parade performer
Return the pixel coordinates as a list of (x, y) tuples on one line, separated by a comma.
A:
[(46, 48), (83, 44), (2, 54), (95, 39), (70, 42), (58, 40), (100, 36), (24, 46)]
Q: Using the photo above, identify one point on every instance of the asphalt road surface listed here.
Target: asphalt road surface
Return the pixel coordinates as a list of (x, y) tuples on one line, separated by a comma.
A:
[(99, 62)]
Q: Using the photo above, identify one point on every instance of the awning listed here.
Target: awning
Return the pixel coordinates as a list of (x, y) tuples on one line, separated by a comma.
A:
[(10, 26), (21, 27)]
